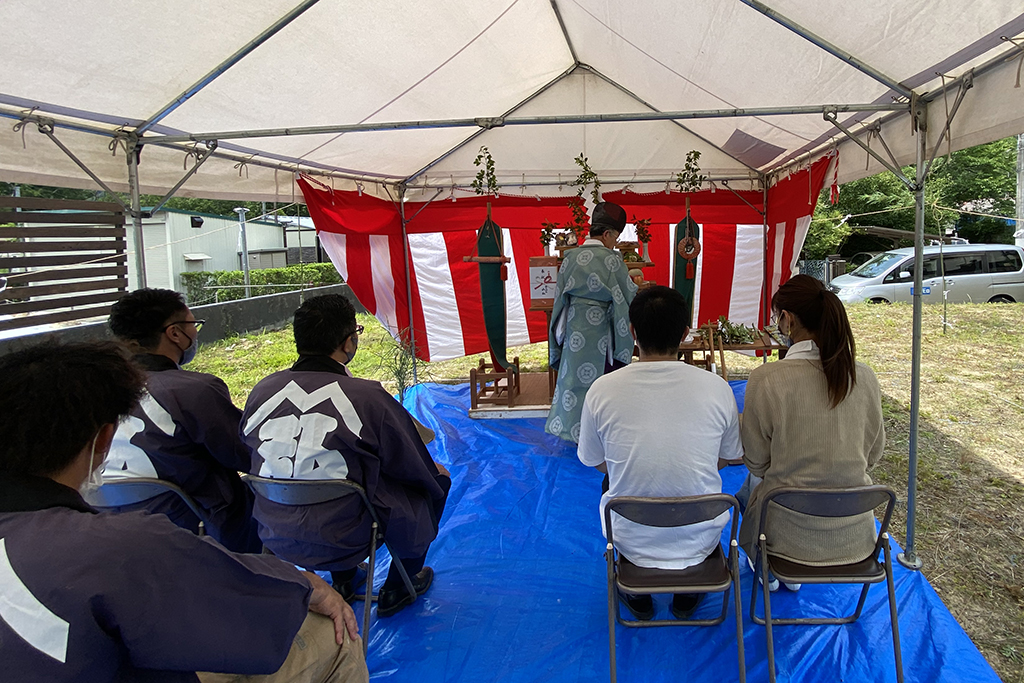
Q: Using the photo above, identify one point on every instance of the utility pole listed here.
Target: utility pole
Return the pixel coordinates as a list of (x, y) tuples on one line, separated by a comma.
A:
[(245, 249), (1019, 234)]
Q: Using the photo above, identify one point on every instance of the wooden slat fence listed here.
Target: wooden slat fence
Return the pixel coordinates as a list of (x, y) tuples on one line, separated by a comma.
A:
[(61, 260)]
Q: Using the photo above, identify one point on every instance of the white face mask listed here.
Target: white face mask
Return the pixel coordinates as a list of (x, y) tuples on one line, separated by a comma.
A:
[(95, 478)]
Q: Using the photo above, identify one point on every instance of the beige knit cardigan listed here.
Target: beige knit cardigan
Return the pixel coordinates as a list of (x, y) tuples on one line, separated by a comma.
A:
[(791, 437)]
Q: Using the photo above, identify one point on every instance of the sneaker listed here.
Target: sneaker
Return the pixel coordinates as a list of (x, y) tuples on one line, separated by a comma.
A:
[(793, 586), (685, 604), (392, 600), (773, 583), (640, 606)]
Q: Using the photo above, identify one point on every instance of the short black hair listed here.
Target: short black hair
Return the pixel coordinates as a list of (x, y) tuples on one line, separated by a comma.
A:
[(55, 397), (323, 323), (658, 315), (141, 315)]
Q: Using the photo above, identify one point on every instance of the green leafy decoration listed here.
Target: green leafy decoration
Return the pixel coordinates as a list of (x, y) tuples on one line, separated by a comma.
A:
[(486, 182)]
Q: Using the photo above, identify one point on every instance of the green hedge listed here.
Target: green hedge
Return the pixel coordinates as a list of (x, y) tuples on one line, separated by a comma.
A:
[(301, 276)]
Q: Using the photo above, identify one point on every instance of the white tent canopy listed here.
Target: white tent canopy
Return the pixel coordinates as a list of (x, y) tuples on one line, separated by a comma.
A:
[(192, 68)]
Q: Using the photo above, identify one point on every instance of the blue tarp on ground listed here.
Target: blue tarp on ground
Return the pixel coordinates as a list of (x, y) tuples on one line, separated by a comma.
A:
[(520, 592)]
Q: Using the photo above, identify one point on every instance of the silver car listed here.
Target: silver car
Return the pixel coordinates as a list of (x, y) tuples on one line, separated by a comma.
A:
[(971, 272)]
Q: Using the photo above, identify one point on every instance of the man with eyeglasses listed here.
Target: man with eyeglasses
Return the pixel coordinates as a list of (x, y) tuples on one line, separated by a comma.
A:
[(185, 429), (316, 421)]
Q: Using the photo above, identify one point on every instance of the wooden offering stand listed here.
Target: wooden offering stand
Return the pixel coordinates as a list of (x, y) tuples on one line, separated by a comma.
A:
[(713, 342), (489, 384)]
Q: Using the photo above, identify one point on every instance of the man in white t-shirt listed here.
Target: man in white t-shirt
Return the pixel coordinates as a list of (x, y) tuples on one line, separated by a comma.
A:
[(660, 428)]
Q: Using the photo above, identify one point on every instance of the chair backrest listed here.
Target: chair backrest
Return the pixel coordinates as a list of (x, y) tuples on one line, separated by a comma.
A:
[(138, 490), (842, 502), (671, 512), (304, 491)]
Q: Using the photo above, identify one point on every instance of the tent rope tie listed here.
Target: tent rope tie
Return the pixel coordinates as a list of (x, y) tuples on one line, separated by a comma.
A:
[(243, 165), (20, 125), (874, 131), (120, 141), (1020, 63), (192, 152)]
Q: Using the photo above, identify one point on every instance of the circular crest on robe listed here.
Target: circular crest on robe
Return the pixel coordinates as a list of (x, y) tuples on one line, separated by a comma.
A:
[(585, 257), (595, 315), (571, 314), (569, 401), (587, 373), (602, 343), (577, 341), (569, 284), (575, 432), (622, 327), (617, 295), (613, 262), (594, 282), (556, 425)]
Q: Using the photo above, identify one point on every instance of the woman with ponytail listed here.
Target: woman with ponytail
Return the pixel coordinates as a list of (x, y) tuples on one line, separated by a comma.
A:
[(811, 420)]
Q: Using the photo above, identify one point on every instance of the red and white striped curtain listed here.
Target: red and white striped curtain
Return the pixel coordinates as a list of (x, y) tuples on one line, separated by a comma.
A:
[(363, 236)]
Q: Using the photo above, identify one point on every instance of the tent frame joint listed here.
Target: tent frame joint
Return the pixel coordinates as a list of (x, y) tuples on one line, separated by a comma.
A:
[(888, 164)]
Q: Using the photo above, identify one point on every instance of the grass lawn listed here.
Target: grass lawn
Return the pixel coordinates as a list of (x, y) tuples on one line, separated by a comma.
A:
[(970, 515)]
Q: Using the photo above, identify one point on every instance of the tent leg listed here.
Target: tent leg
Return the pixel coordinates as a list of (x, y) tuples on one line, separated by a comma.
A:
[(136, 211), (908, 558), (408, 281), (765, 292)]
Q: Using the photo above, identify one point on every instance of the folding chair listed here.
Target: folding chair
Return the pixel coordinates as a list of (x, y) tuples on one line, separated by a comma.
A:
[(311, 492), (716, 574), (845, 502), (134, 490)]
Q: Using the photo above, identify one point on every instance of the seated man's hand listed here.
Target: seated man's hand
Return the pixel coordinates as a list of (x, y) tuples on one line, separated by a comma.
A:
[(441, 470), (328, 602)]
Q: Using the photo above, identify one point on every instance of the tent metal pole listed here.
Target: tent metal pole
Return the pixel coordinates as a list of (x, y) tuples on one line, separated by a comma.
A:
[(136, 211), (407, 257), (499, 121), (46, 129), (765, 286), (477, 133), (895, 170), (199, 162), (240, 54), (908, 558), (725, 184), (828, 47), (565, 33)]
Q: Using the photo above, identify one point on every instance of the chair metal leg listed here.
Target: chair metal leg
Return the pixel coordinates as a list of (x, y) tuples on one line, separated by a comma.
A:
[(860, 603), (609, 554), (401, 572), (734, 566), (369, 587), (759, 568), (893, 616)]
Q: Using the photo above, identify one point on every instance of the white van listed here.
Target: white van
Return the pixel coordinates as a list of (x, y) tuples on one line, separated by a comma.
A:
[(973, 272)]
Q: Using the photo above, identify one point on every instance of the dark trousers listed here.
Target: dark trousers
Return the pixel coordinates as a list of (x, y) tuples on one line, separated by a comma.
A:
[(411, 565)]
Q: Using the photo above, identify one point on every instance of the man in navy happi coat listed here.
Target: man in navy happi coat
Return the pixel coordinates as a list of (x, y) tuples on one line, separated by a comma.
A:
[(316, 421), (88, 596), (185, 429)]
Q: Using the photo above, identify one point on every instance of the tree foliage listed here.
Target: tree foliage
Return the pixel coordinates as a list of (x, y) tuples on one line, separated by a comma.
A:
[(980, 179)]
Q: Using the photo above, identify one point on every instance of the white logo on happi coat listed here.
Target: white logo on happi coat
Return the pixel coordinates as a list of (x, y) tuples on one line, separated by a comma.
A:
[(293, 445), (29, 618), (126, 460)]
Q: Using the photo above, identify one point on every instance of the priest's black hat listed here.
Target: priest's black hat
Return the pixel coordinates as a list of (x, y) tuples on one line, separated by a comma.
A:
[(607, 216)]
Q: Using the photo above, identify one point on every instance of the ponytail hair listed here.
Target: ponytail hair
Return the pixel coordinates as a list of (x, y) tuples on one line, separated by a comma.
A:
[(823, 315)]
